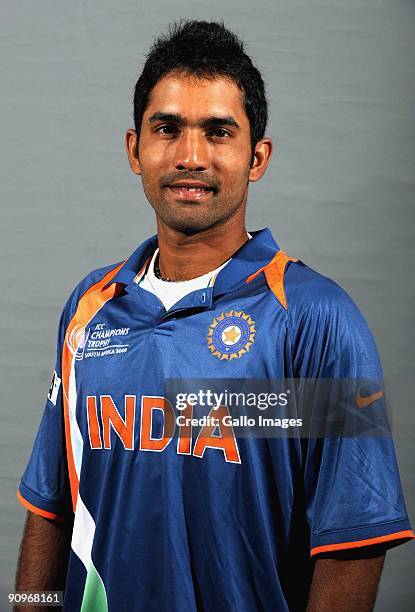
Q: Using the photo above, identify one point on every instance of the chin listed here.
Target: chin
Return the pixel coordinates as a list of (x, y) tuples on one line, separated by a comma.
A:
[(189, 221), (188, 226), (193, 219)]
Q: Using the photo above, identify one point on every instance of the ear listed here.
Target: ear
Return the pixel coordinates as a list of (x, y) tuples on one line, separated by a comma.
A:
[(131, 146), (262, 155)]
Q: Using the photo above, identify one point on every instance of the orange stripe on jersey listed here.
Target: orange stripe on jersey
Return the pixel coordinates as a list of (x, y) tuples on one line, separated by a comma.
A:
[(399, 535), (39, 511), (89, 304), (274, 274)]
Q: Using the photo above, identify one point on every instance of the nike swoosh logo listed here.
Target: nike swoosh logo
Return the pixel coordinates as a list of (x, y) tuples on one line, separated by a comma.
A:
[(365, 401)]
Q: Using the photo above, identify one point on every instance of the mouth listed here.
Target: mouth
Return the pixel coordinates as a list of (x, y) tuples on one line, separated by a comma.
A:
[(192, 192)]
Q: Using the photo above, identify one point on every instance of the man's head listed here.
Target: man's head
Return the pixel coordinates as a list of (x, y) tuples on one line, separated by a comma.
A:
[(200, 115)]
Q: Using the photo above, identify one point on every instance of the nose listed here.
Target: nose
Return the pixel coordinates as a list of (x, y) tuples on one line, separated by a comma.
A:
[(191, 151)]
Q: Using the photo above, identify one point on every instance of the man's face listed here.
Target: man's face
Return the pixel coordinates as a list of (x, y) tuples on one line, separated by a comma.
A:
[(194, 151)]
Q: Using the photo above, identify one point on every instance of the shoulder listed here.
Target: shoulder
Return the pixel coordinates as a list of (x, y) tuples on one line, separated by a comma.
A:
[(305, 287), (311, 295), (94, 280), (329, 334)]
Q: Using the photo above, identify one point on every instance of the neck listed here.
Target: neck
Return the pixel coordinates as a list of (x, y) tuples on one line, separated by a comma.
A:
[(183, 257)]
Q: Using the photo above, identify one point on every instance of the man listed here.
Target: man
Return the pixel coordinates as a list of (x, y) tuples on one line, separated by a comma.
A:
[(170, 517)]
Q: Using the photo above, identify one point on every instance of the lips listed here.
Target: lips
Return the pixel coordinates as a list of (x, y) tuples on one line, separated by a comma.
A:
[(191, 192)]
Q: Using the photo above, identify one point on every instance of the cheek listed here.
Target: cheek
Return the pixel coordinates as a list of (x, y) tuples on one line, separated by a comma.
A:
[(235, 169), (233, 157), (151, 164)]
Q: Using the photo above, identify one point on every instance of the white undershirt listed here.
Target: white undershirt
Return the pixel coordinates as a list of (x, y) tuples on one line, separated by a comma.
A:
[(170, 292)]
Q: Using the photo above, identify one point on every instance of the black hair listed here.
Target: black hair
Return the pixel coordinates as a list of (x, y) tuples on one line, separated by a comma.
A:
[(206, 50)]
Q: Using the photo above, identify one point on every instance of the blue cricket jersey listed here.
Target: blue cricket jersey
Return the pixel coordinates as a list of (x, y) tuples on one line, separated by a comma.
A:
[(206, 522)]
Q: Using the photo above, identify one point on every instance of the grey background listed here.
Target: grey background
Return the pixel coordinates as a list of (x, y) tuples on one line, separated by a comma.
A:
[(339, 193)]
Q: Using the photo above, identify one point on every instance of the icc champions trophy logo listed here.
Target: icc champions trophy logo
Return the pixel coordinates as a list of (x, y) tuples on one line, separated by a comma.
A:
[(77, 340)]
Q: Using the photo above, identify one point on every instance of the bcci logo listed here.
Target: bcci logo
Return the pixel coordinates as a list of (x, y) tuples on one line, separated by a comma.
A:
[(77, 340), (231, 335)]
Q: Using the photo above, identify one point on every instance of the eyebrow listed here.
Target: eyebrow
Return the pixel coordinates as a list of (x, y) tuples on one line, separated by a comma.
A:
[(205, 122)]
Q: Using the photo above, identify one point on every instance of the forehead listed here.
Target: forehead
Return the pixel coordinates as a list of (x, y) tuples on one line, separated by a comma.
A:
[(195, 97)]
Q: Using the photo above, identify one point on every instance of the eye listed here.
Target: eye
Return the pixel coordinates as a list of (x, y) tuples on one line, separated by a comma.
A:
[(167, 129), (220, 133)]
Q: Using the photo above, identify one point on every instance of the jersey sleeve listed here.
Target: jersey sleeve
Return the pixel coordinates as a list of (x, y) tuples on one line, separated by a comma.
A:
[(44, 487), (352, 486)]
